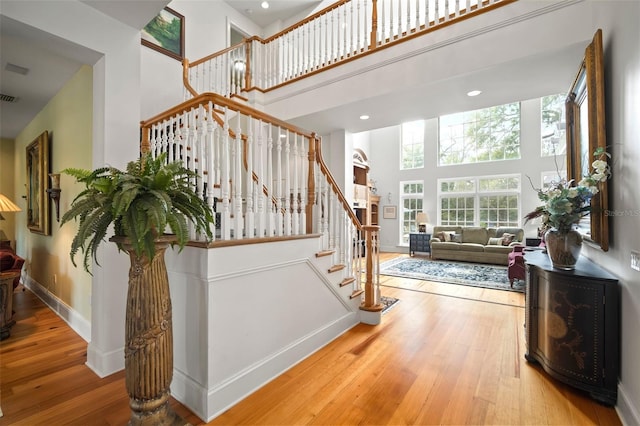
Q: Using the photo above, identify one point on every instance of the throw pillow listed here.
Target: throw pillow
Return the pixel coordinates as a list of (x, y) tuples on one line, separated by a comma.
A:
[(456, 238), (495, 241), (507, 238), (443, 236)]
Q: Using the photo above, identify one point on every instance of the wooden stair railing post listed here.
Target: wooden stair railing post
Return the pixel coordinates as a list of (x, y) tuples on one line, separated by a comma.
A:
[(311, 182), (371, 297), (374, 26), (144, 142)]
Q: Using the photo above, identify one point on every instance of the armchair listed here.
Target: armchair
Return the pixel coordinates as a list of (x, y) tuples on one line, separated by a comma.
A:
[(11, 262)]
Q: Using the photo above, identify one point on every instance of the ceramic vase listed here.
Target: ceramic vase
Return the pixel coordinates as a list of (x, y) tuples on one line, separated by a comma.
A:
[(563, 248)]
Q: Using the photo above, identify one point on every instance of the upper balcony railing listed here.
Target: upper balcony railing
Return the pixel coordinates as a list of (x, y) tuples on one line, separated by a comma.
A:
[(339, 33)]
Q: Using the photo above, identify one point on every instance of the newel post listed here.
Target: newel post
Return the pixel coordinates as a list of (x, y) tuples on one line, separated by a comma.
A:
[(247, 67), (374, 26), (371, 307), (145, 145), (311, 183)]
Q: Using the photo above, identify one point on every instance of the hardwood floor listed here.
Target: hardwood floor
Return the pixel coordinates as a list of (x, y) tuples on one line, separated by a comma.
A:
[(444, 354)]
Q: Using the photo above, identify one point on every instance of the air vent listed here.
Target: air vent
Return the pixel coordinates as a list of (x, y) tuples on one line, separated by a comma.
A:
[(16, 68), (8, 98)]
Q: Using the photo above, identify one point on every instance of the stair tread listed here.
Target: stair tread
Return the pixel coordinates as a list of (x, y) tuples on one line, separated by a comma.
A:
[(347, 281), (325, 253), (356, 293), (336, 268)]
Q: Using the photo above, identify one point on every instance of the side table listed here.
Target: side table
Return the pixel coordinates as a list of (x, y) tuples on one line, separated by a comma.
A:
[(6, 302), (419, 242)]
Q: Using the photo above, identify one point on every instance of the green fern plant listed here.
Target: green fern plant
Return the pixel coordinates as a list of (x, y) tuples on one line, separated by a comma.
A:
[(141, 202)]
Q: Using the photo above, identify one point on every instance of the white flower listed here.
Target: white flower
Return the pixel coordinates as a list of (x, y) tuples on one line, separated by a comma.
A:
[(572, 192), (599, 165)]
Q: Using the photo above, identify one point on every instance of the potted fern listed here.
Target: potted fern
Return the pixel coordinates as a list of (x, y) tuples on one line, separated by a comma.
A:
[(151, 195)]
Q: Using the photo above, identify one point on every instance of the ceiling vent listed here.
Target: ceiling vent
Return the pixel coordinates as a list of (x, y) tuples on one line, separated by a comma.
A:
[(8, 98), (16, 68)]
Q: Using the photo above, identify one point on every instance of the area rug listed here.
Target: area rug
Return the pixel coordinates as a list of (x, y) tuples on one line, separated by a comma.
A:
[(388, 303), (471, 274)]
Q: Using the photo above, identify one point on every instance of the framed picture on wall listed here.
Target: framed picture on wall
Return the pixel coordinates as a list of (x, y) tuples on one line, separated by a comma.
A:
[(165, 33), (389, 212), (37, 185)]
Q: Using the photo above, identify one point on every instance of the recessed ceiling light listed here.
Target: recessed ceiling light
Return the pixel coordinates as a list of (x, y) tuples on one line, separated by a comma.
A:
[(474, 93), (265, 5), (364, 117)]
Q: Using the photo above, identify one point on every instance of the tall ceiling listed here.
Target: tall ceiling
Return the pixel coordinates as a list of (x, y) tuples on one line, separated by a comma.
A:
[(49, 62), (35, 65), (278, 10)]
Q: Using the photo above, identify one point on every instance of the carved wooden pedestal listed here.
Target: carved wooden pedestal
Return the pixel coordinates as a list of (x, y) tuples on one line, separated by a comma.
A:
[(149, 338), (572, 324)]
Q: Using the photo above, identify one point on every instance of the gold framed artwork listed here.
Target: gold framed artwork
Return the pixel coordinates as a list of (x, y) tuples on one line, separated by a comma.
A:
[(38, 215), (586, 132)]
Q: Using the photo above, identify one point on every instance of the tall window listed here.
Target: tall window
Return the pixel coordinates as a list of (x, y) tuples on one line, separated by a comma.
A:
[(488, 201), (489, 134), (412, 145), (411, 196), (553, 125)]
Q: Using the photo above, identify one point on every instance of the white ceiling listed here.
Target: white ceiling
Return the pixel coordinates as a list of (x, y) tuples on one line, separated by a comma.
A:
[(279, 10), (51, 62)]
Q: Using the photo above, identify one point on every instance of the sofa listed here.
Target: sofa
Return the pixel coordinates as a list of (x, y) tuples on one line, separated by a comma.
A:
[(475, 244)]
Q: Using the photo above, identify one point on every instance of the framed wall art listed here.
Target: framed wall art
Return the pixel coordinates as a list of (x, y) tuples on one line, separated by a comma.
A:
[(38, 216), (389, 212), (587, 132), (165, 33)]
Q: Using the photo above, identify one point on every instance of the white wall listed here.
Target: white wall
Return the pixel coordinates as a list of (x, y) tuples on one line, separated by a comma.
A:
[(116, 117), (621, 38), (206, 32)]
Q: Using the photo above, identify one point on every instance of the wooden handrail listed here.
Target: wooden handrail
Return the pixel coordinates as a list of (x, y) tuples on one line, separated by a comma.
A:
[(325, 170), (217, 99), (424, 29)]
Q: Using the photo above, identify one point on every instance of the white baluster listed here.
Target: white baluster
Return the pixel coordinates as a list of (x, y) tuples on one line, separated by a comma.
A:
[(260, 217), (447, 14), (171, 139), (238, 220), (199, 156), (302, 187), (249, 215), (226, 177), (437, 12), (286, 199), (279, 217), (326, 40), (271, 221), (417, 24), (295, 205), (212, 127)]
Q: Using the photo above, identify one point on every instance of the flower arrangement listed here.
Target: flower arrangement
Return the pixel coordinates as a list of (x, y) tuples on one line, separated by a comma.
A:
[(565, 203)]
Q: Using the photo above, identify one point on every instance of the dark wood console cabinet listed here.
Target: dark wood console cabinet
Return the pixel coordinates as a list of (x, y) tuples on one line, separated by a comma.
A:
[(572, 324), (419, 242)]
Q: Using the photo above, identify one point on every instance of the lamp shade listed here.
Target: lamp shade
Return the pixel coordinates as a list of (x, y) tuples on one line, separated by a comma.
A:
[(422, 218), (6, 205)]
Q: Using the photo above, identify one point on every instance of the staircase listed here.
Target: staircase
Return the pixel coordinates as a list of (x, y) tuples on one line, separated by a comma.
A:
[(284, 274)]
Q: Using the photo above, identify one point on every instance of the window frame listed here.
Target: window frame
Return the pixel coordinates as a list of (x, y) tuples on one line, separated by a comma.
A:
[(413, 144), (419, 197), (477, 194)]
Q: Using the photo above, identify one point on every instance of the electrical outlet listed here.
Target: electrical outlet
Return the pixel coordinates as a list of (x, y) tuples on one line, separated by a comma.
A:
[(635, 260)]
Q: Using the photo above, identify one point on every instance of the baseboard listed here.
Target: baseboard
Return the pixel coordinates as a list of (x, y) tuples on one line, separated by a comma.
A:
[(208, 404), (77, 323), (628, 414), (104, 363)]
